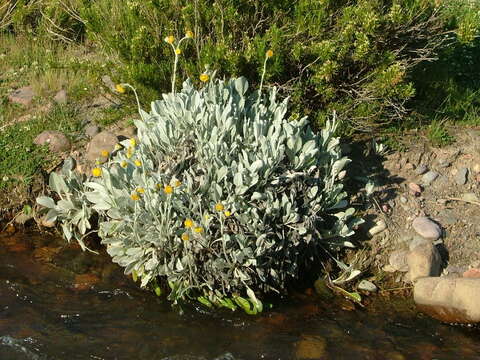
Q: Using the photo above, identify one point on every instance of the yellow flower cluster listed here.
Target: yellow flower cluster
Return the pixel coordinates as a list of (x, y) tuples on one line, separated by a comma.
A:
[(97, 172), (169, 39), (120, 89), (204, 77)]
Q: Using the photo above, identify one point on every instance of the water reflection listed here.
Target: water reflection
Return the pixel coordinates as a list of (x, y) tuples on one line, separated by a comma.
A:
[(59, 303)]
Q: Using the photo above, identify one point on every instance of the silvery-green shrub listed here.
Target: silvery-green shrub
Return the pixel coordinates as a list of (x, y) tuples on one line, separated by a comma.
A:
[(220, 196)]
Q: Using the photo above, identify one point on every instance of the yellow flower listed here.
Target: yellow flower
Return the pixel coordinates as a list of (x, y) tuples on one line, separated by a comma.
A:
[(269, 53), (219, 207), (188, 223), (168, 189), (135, 196), (185, 237), (169, 39), (129, 152), (120, 89), (104, 153), (198, 229), (123, 164), (140, 190), (118, 147), (158, 186), (138, 162), (133, 142), (204, 77), (97, 172), (178, 51), (227, 213), (189, 34), (177, 183)]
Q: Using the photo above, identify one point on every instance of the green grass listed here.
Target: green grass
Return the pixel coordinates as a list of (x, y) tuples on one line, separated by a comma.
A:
[(48, 67), (438, 134)]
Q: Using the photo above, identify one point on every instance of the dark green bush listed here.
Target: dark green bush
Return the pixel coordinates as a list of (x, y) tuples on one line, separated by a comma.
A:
[(355, 57)]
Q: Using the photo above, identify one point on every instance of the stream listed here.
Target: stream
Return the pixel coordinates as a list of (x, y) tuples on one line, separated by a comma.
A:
[(59, 303)]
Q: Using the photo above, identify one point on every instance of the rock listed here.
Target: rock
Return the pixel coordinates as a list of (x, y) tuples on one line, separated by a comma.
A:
[(23, 218), (47, 223), (472, 273), (443, 163), (108, 82), (476, 168), (416, 241), (101, 142), (310, 347), (429, 177), (423, 260), (415, 189), (377, 228), (452, 300), (23, 96), (421, 169), (398, 260), (61, 97), (470, 197), (409, 166), (91, 130), (426, 228), (128, 132), (461, 177), (447, 216), (366, 285), (57, 142)]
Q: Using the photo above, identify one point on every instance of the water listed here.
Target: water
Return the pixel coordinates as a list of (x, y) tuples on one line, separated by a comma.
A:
[(59, 303)]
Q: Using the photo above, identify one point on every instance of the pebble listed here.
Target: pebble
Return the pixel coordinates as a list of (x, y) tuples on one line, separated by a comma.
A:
[(415, 188), (476, 168), (421, 169), (23, 96), (366, 285), (472, 273), (61, 97), (461, 177), (377, 228), (429, 177), (398, 260), (426, 228)]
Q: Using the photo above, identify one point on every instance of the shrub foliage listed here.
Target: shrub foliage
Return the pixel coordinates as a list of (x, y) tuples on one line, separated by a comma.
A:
[(353, 56), (221, 195)]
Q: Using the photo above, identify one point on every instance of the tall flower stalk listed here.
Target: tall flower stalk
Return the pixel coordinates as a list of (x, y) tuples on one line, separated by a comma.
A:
[(176, 51), (268, 55)]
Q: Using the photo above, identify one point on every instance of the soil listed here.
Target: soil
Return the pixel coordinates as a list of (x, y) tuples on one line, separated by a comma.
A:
[(444, 200)]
